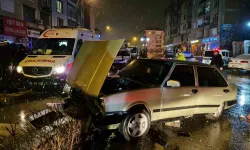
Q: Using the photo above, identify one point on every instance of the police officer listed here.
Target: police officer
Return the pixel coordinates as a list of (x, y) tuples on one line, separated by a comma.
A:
[(180, 55)]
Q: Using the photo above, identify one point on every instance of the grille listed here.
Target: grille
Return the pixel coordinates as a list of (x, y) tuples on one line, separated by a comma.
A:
[(37, 71)]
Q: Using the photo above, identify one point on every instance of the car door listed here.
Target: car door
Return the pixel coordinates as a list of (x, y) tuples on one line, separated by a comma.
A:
[(180, 101), (213, 89)]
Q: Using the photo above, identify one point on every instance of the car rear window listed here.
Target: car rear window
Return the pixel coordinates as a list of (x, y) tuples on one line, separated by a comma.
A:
[(123, 53), (209, 53)]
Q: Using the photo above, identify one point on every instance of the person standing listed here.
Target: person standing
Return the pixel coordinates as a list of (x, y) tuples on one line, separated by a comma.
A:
[(180, 55), (217, 60)]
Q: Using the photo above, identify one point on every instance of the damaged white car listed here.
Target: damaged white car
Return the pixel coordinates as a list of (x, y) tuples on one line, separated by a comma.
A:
[(152, 90)]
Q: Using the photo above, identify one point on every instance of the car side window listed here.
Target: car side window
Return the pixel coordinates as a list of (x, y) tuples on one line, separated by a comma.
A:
[(210, 77), (184, 74), (223, 53)]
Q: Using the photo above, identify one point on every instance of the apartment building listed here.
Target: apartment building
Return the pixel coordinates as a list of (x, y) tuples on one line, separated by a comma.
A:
[(22, 21), (19, 21), (203, 24), (153, 40)]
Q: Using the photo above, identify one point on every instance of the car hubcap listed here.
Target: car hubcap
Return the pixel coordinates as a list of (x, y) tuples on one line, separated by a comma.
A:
[(137, 125), (219, 110)]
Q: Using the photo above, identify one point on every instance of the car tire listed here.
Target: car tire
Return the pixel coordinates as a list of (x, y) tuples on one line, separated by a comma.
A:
[(215, 116), (136, 125)]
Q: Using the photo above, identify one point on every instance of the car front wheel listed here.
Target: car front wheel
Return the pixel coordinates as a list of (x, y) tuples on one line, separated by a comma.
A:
[(215, 116), (136, 125)]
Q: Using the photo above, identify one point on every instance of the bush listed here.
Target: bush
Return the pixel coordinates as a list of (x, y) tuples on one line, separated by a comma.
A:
[(62, 134)]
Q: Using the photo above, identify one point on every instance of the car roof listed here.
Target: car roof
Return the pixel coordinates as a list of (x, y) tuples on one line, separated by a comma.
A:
[(176, 61)]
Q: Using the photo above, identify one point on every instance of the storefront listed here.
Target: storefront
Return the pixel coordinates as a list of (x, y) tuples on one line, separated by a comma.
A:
[(211, 43), (11, 29), (196, 47)]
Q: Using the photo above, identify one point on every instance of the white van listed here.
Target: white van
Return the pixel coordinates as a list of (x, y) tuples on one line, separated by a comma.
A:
[(52, 56), (209, 53)]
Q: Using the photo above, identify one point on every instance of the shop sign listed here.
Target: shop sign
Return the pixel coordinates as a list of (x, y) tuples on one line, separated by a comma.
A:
[(14, 27), (211, 39), (194, 41), (33, 34)]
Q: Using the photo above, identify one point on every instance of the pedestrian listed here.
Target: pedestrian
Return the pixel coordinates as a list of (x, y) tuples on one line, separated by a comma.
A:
[(145, 53), (180, 55), (217, 60)]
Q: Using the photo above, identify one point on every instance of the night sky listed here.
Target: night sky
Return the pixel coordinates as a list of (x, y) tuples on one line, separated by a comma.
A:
[(127, 18)]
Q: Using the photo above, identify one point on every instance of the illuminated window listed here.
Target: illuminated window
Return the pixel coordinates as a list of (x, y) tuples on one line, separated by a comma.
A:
[(59, 6)]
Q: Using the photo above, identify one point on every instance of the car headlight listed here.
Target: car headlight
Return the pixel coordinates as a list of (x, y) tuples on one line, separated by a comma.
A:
[(60, 69), (19, 69)]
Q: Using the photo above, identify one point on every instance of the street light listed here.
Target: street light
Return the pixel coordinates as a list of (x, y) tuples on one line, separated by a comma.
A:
[(134, 39), (248, 24), (107, 27)]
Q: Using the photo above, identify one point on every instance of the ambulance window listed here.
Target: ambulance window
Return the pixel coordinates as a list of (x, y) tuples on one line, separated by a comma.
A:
[(79, 44)]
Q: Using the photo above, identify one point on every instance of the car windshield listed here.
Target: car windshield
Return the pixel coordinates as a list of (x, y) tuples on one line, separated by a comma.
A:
[(243, 57), (53, 46), (123, 53), (151, 72), (209, 53)]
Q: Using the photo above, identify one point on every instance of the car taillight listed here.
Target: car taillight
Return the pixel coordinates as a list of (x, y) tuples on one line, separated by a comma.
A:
[(244, 61), (230, 61)]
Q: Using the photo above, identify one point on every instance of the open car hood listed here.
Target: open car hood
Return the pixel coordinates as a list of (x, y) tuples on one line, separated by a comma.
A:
[(92, 64)]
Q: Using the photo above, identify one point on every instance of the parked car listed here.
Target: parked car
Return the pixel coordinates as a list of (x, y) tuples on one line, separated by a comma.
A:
[(134, 52), (150, 90), (207, 56), (123, 56), (240, 62)]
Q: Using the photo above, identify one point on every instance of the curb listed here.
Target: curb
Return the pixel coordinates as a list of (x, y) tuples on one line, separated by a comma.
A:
[(9, 99)]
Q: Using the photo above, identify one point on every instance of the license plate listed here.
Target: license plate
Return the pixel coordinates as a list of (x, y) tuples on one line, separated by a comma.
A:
[(235, 66)]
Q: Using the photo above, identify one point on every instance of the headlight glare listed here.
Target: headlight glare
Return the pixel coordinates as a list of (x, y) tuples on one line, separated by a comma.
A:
[(19, 69), (59, 69)]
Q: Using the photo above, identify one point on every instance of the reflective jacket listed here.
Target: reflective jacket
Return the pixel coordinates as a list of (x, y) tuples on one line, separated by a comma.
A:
[(181, 56)]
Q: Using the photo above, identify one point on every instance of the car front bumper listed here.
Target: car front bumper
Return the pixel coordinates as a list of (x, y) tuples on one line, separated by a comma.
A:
[(54, 81)]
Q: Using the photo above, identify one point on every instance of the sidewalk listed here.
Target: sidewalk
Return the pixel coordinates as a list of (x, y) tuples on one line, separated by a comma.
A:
[(8, 99)]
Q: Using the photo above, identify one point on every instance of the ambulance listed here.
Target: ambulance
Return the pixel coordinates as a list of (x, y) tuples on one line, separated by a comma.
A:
[(52, 56)]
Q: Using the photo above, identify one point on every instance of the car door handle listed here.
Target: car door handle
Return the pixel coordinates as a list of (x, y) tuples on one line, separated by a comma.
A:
[(226, 90), (194, 91)]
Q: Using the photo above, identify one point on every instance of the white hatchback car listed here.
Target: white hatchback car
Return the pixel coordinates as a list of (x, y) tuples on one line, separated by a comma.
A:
[(149, 90), (240, 62)]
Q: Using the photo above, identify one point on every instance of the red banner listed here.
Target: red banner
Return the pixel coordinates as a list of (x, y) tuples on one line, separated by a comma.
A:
[(14, 27)]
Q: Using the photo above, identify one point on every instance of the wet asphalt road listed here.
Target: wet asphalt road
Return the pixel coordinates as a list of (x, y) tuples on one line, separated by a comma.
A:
[(229, 133)]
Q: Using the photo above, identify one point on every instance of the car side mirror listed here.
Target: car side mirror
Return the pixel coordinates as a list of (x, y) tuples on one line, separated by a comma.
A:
[(173, 83)]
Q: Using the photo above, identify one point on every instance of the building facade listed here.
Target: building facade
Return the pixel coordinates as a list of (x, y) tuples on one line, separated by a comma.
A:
[(153, 40), (203, 24), (22, 21)]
